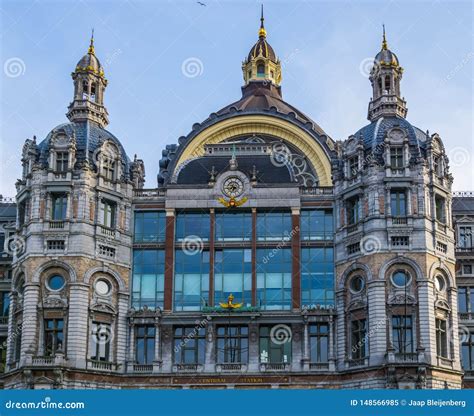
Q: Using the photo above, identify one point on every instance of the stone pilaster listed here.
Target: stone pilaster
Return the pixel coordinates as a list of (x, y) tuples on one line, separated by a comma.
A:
[(77, 331)]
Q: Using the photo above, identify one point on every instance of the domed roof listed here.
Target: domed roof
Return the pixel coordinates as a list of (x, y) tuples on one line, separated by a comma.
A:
[(89, 137), (89, 62), (262, 48), (374, 133), (386, 56)]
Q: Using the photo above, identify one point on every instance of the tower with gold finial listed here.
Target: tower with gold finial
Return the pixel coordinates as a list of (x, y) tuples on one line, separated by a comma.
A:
[(385, 78), (89, 87), (262, 64)]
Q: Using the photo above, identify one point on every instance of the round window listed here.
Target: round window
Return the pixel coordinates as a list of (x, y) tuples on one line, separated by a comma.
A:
[(357, 284), (440, 283), (56, 282), (401, 278), (102, 287)]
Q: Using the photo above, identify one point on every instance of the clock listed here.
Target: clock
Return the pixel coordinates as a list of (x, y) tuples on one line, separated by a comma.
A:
[(233, 187)]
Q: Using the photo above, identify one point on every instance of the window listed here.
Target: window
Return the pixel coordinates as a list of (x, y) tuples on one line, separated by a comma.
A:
[(108, 168), (437, 165), (193, 224), (150, 226), (106, 251), (191, 280), (17, 341), (56, 245), (274, 278), (189, 345), (387, 83), (318, 342), (317, 276), (233, 275), (353, 248), (100, 340), (85, 90), (396, 157), (400, 241), (2, 242), (62, 161), (145, 344), (102, 287), (275, 349), (357, 284), (440, 283), (148, 278), (402, 333), (398, 203), (53, 336), (274, 226), (4, 304), (56, 282), (440, 209), (465, 237), (441, 338), (467, 353), (232, 344), (233, 226), (353, 165), (107, 213), (358, 339), (260, 70), (465, 299), (316, 224), (441, 247), (59, 206), (467, 269), (3, 353), (352, 207), (401, 278)]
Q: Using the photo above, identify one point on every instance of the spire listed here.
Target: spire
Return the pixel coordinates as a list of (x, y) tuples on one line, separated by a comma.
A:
[(91, 50), (262, 33), (384, 40)]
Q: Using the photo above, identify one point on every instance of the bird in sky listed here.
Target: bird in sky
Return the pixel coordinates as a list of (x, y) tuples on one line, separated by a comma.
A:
[(202, 4)]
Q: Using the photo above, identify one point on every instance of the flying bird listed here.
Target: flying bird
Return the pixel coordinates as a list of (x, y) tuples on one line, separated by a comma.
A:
[(202, 4)]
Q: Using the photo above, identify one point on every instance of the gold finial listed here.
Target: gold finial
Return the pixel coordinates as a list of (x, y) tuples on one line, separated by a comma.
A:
[(384, 40), (262, 33), (91, 46)]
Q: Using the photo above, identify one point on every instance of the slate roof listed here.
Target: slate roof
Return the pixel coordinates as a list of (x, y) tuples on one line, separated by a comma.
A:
[(463, 205)]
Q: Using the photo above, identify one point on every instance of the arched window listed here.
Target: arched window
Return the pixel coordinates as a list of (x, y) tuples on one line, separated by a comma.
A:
[(85, 90), (401, 278), (387, 83), (380, 84), (260, 70), (93, 93)]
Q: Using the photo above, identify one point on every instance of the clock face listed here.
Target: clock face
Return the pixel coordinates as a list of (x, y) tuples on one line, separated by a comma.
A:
[(233, 187)]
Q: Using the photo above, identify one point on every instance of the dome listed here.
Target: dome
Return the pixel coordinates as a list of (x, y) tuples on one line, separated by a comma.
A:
[(374, 133), (386, 56), (89, 62), (89, 137), (262, 48)]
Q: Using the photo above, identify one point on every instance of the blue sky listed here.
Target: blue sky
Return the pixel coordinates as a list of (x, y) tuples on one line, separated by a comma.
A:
[(324, 48)]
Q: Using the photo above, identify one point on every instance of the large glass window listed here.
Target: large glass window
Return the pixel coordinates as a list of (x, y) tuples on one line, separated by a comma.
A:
[(191, 280), (465, 299), (148, 278), (108, 168), (232, 344), (275, 348), (317, 276), (402, 333), (233, 226), (59, 207), (441, 338), (192, 224), (62, 160), (359, 346), (150, 226), (273, 226), (100, 340), (233, 275), (316, 224), (145, 344), (396, 157), (53, 336), (318, 342), (4, 304), (398, 203), (440, 208), (189, 345), (467, 352), (465, 237), (274, 278), (3, 353)]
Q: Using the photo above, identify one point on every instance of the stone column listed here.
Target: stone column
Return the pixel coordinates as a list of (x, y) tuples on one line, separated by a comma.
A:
[(426, 320), (29, 338), (306, 358), (121, 329), (254, 353), (209, 363), (331, 338), (167, 346), (12, 335), (341, 330), (77, 330), (377, 322), (157, 359)]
